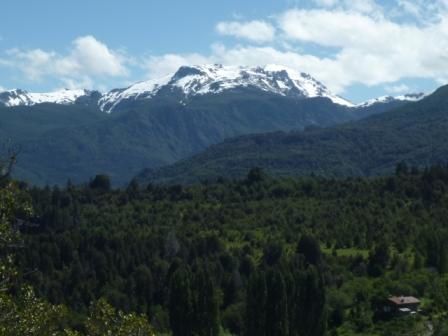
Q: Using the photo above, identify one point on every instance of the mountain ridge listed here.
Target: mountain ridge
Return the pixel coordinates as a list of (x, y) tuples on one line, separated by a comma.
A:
[(413, 133), (76, 140), (190, 81)]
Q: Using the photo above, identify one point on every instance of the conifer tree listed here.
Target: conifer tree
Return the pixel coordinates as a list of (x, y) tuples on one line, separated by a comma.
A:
[(256, 305), (206, 309), (310, 313), (181, 303), (276, 305), (310, 249)]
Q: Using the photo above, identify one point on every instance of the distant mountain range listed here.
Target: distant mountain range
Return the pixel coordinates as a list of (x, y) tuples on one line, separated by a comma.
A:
[(192, 81), (414, 133), (410, 97), (75, 134)]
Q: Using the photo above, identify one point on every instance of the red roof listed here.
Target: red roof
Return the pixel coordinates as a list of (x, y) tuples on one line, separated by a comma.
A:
[(403, 300)]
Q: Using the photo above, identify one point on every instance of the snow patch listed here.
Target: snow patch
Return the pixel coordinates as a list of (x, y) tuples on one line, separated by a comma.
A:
[(411, 97), (19, 97), (146, 89)]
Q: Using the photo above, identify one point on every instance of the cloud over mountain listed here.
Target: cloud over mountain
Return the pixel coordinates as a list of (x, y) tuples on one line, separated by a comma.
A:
[(255, 31), (86, 59), (358, 42)]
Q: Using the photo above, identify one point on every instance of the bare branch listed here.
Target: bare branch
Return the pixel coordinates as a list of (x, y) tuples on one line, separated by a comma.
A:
[(7, 163)]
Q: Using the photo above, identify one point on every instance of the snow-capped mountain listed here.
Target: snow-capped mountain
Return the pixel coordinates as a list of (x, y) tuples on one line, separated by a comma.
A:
[(141, 90), (23, 98), (411, 97), (192, 81)]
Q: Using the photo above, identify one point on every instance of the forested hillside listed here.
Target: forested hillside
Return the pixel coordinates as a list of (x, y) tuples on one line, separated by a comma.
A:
[(259, 256), (162, 131), (414, 133), (60, 142)]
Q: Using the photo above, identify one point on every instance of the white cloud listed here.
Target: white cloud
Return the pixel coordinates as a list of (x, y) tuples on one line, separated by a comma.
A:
[(77, 83), (372, 50), (32, 63), (87, 59), (361, 6), (339, 29), (256, 31), (422, 12), (411, 7), (159, 66), (364, 6), (362, 46), (397, 89), (326, 3), (96, 58)]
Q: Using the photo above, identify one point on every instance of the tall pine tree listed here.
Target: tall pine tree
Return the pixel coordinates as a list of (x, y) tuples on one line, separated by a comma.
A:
[(181, 303), (256, 305), (309, 318), (276, 305), (206, 309)]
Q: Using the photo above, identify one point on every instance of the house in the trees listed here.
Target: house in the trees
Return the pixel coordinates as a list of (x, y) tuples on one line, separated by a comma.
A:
[(401, 305)]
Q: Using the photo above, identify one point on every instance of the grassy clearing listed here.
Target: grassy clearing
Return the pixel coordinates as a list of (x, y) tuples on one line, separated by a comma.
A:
[(346, 252)]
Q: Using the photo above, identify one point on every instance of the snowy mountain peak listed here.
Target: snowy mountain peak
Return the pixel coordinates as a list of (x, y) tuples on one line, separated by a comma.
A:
[(191, 81), (196, 80), (185, 71), (140, 90), (19, 97), (410, 97)]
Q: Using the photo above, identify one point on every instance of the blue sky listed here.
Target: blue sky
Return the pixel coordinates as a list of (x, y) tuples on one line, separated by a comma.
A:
[(359, 48)]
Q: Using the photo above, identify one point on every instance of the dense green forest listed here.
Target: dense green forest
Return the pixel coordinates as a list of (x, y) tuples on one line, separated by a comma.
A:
[(257, 256), (22, 312), (414, 133), (77, 141)]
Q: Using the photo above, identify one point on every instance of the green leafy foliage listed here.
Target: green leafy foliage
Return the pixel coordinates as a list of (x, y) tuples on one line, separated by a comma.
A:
[(245, 257), (105, 320), (22, 312)]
